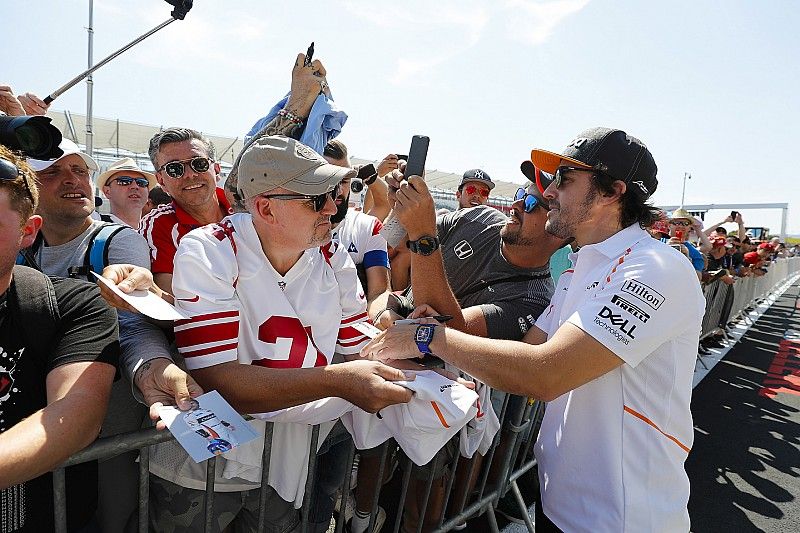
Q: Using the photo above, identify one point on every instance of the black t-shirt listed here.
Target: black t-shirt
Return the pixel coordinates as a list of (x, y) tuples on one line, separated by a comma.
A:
[(718, 264), (87, 331)]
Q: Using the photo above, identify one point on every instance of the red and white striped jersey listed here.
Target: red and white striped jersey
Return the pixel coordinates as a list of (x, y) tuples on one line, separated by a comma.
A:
[(242, 309)]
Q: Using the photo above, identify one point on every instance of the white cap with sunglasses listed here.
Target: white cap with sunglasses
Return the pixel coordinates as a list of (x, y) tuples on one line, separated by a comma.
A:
[(125, 168), (277, 161)]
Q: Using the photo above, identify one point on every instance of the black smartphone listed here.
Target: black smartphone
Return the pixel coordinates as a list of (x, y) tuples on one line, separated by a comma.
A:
[(309, 54), (402, 156), (415, 165), (734, 214)]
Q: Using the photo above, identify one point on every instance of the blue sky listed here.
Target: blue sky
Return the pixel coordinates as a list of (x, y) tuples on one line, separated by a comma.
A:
[(708, 86)]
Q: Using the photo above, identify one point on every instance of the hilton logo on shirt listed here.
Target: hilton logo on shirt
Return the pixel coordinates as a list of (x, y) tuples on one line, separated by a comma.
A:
[(643, 292)]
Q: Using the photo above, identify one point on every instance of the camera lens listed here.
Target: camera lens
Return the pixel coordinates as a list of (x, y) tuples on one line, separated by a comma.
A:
[(34, 136), (356, 185)]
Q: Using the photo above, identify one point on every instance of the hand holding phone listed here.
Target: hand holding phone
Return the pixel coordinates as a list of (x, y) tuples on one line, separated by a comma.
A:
[(417, 154), (734, 214), (680, 235)]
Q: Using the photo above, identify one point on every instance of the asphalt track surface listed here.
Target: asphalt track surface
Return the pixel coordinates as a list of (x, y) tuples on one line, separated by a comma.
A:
[(744, 466)]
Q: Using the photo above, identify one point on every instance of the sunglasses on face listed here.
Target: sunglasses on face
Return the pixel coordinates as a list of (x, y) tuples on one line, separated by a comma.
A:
[(558, 176), (472, 189), (127, 180), (9, 172), (680, 222), (318, 201), (529, 201), (175, 169)]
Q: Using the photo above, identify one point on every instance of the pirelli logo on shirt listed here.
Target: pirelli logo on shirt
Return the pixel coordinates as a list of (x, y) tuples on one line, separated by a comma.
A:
[(643, 292), (634, 310)]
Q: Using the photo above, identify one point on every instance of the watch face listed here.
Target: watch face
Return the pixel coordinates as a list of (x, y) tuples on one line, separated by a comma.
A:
[(427, 245), (423, 334)]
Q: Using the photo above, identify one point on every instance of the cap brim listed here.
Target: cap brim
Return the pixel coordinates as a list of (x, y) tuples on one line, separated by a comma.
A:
[(320, 180), (39, 164), (550, 161), (542, 180)]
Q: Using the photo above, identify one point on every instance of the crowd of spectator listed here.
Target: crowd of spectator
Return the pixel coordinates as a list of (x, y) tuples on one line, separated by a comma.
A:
[(278, 269)]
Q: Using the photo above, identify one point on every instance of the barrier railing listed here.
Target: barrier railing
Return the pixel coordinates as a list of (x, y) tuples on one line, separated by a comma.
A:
[(508, 458)]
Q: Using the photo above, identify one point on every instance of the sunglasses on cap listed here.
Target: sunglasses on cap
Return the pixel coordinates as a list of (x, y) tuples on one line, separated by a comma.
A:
[(10, 172), (318, 200), (472, 189), (529, 201), (175, 169), (127, 180)]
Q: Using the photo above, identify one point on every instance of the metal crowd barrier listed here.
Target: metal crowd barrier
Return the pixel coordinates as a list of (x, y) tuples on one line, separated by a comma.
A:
[(519, 425), (509, 457)]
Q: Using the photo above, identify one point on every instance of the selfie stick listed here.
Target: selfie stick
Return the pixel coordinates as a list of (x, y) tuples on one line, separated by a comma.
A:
[(177, 14)]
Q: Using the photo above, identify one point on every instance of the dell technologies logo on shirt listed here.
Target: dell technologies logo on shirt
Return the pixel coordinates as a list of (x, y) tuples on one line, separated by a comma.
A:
[(620, 327)]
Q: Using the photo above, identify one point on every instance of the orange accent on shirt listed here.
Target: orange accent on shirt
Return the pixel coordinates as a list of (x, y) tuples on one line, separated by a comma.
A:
[(439, 414), (640, 416)]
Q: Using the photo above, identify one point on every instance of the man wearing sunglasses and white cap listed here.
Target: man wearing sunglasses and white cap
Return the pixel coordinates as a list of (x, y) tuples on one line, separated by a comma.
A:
[(126, 186), (613, 354)]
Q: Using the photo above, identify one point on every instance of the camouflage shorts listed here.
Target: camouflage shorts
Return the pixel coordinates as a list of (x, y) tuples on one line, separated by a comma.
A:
[(176, 509)]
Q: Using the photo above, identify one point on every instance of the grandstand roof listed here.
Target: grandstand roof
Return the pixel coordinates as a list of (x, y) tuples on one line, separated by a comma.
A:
[(131, 139)]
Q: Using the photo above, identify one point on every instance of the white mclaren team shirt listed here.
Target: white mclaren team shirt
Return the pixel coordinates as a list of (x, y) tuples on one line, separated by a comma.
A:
[(611, 452), (359, 234)]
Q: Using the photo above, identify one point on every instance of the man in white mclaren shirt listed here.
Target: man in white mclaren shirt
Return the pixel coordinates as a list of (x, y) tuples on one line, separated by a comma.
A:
[(613, 354)]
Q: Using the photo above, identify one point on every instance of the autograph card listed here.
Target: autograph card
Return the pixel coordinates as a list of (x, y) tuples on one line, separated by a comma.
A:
[(212, 428), (145, 302)]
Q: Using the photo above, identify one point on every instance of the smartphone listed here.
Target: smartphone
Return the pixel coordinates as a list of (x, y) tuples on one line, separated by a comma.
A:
[(680, 235), (415, 165), (309, 54), (734, 214), (402, 156)]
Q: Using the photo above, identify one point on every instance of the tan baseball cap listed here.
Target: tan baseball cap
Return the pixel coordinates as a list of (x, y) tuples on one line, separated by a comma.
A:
[(278, 161)]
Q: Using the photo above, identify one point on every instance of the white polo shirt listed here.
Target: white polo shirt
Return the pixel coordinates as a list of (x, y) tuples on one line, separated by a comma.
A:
[(611, 452)]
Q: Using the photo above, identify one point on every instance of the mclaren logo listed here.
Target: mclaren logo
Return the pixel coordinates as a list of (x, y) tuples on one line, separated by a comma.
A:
[(463, 250)]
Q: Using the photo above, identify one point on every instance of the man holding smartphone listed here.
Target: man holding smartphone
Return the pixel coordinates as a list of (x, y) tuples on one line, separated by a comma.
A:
[(613, 354)]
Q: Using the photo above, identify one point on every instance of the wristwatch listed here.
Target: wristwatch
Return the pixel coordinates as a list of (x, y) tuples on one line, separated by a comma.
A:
[(425, 245), (423, 337)]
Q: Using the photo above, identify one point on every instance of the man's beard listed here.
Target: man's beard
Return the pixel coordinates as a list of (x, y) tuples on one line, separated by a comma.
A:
[(564, 224), (341, 210)]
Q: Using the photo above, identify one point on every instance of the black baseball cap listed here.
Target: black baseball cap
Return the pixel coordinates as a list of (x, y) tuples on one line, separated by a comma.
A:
[(478, 175), (537, 176), (612, 152)]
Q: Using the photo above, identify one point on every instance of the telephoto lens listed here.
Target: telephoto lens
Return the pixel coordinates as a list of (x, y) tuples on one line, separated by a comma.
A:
[(32, 135)]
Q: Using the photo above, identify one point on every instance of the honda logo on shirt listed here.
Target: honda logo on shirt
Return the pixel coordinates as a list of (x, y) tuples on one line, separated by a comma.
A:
[(618, 321), (463, 250)]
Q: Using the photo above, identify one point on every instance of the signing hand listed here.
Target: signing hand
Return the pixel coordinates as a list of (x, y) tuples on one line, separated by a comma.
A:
[(394, 343), (307, 82)]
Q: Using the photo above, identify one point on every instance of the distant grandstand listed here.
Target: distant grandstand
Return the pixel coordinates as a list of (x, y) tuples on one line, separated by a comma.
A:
[(115, 138)]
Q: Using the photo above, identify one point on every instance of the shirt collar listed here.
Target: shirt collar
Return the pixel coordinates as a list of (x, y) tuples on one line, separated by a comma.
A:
[(618, 243), (185, 218)]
